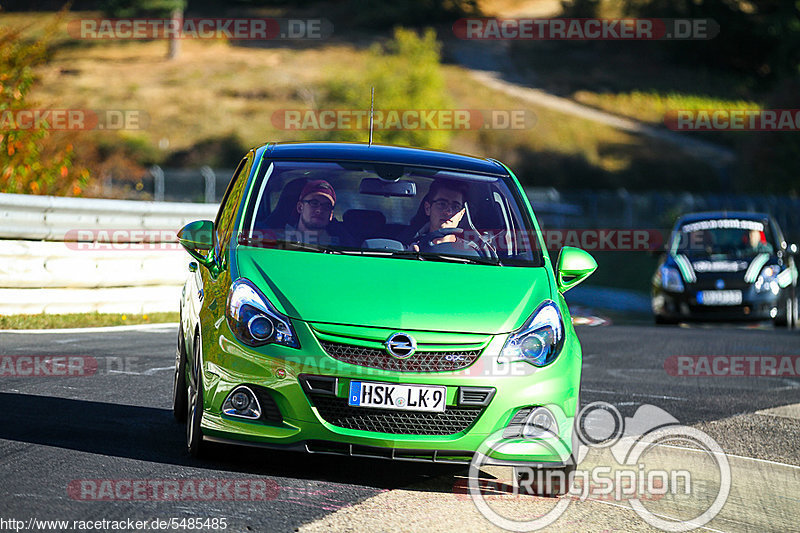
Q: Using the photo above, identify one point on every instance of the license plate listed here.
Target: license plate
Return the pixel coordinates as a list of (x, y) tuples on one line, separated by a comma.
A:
[(719, 297), (393, 396)]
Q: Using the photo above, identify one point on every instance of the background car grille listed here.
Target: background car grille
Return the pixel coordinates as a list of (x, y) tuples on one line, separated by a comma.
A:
[(419, 362), (336, 411)]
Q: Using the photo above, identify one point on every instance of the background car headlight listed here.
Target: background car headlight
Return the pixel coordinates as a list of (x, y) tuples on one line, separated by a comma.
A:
[(768, 279), (539, 341), (254, 320), (671, 279)]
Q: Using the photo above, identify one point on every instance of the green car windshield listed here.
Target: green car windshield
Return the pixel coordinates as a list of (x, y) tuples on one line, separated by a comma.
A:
[(389, 211)]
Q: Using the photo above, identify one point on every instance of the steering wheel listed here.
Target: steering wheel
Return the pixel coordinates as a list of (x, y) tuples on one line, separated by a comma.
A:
[(426, 243)]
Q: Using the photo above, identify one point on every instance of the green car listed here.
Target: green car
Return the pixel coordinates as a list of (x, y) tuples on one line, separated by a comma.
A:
[(378, 301)]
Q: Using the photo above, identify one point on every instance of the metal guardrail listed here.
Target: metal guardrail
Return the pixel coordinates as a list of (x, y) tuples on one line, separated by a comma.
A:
[(61, 255), (51, 218)]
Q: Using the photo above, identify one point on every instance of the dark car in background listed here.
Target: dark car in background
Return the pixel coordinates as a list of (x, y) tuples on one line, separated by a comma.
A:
[(726, 266)]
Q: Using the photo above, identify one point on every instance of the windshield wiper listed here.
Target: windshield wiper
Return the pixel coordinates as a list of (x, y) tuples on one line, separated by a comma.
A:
[(286, 245), (473, 260)]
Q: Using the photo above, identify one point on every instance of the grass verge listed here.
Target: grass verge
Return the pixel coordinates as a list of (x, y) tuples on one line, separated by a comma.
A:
[(83, 320)]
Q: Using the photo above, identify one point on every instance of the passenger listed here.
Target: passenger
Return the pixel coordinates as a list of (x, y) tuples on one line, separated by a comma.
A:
[(316, 224)]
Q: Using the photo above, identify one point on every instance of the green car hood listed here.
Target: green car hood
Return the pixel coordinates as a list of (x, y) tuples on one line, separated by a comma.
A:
[(394, 293)]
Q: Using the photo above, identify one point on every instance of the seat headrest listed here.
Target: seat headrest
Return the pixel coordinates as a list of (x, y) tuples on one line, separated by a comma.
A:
[(367, 218)]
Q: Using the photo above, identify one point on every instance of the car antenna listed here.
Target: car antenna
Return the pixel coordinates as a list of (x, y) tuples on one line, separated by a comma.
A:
[(371, 104)]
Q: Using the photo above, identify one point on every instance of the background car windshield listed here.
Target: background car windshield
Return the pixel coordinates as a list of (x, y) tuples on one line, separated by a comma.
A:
[(724, 237), (382, 208)]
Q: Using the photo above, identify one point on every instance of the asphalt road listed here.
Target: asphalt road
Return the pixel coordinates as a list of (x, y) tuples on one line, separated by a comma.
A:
[(116, 424)]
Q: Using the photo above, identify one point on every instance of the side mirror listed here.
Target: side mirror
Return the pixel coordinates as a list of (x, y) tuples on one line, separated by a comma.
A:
[(574, 266), (198, 239)]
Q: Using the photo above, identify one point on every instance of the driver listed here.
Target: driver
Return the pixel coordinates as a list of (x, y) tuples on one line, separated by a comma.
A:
[(444, 207), (758, 241)]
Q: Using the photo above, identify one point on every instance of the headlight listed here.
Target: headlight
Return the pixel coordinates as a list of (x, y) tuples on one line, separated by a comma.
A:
[(254, 320), (671, 279), (768, 279), (539, 341)]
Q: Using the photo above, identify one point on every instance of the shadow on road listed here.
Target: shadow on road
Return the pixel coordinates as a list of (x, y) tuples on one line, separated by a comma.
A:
[(151, 434)]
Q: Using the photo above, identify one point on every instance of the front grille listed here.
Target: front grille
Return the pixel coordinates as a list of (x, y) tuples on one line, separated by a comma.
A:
[(336, 411), (444, 361)]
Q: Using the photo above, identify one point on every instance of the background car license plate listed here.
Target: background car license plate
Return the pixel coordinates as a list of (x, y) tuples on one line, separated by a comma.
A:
[(394, 396), (719, 297)]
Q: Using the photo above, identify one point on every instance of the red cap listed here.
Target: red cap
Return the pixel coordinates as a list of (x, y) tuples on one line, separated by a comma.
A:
[(320, 187)]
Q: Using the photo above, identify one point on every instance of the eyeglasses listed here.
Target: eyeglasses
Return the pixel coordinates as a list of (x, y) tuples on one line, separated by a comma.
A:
[(316, 204), (443, 205)]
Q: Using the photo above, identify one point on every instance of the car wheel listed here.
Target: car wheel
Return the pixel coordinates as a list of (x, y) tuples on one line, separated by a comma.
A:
[(790, 320), (662, 320), (179, 396), (194, 415), (785, 316)]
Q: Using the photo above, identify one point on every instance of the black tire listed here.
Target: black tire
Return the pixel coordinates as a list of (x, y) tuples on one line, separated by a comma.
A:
[(662, 320), (179, 396), (788, 318), (194, 415)]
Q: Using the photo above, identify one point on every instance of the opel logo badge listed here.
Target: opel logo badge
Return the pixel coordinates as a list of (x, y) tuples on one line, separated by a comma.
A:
[(400, 345)]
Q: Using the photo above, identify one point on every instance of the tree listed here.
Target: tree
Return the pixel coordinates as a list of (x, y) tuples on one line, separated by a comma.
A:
[(31, 160), (406, 74), (172, 9)]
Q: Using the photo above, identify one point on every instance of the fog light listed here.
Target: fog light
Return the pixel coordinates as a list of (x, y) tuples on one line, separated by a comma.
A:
[(773, 312), (242, 403), (540, 423)]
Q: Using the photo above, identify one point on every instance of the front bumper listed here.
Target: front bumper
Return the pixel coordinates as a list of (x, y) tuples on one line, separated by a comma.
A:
[(305, 424), (684, 306)]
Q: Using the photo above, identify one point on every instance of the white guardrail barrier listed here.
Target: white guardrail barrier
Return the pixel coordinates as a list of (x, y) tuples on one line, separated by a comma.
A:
[(74, 255)]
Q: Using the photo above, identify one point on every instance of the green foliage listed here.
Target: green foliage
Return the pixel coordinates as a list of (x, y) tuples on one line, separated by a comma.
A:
[(770, 159), (760, 38), (133, 8), (406, 74), (378, 14), (31, 160)]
